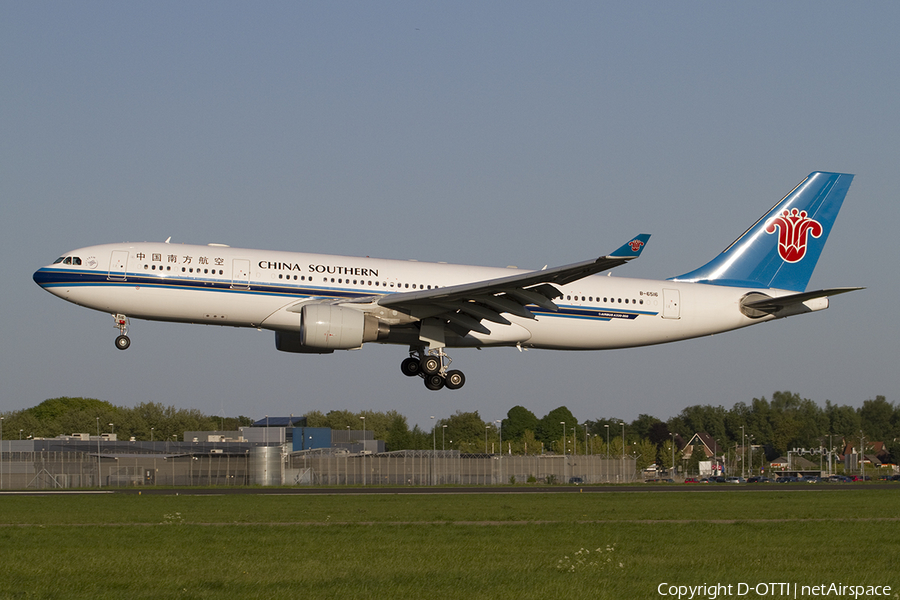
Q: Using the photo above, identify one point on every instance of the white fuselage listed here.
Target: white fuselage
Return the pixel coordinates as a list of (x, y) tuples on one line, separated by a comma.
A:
[(219, 285)]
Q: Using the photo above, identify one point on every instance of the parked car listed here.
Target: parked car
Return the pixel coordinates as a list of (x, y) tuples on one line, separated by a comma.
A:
[(576, 480), (691, 480), (734, 480)]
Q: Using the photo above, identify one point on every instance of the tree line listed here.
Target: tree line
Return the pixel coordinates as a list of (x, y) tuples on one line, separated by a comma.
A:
[(772, 427), (146, 421)]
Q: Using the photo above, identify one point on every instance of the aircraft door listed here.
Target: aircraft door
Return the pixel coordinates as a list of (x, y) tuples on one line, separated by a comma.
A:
[(240, 274), (117, 264), (671, 304)]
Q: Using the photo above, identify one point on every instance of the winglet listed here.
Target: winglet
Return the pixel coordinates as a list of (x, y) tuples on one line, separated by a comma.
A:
[(633, 248)]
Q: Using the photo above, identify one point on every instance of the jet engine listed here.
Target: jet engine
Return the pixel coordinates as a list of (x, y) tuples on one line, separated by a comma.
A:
[(329, 327)]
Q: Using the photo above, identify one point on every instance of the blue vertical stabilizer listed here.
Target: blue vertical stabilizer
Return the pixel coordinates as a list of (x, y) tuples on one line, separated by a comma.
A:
[(781, 249)]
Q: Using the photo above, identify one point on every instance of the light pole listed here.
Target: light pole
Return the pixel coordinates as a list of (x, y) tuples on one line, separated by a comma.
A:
[(574, 444), (743, 445), (151, 433), (830, 453), (1, 453), (672, 468), (590, 477), (623, 450), (433, 449), (606, 464), (750, 462), (486, 427), (585, 438), (443, 445), (98, 451), (363, 419), (563, 423), (862, 456), (500, 458)]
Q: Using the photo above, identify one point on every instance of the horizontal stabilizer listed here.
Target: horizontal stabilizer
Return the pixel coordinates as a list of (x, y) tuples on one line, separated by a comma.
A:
[(756, 305)]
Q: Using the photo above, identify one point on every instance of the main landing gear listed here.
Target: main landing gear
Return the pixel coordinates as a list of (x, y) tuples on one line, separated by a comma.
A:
[(123, 341), (432, 369)]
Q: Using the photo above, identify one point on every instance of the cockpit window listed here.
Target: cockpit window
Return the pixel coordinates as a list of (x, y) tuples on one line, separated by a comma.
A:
[(59, 260), (68, 260), (76, 260)]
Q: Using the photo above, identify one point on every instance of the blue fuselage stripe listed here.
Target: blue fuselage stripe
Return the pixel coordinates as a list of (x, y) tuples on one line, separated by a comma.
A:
[(64, 278)]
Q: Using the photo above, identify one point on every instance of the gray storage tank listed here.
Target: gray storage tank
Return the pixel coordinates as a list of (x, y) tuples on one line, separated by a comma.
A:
[(266, 465)]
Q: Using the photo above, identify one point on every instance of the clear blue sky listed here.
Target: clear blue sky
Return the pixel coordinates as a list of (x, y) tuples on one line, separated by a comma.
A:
[(500, 133)]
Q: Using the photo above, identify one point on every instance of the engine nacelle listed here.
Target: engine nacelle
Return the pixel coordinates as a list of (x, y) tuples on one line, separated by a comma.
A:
[(290, 342), (330, 327)]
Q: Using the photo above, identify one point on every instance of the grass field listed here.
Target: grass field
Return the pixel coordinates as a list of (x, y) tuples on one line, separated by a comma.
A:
[(612, 545)]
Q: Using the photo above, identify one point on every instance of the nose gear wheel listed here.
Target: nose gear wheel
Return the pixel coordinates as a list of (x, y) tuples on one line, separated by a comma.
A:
[(122, 341)]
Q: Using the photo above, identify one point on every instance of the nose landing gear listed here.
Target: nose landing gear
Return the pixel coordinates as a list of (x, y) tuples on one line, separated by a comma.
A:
[(123, 341), (430, 365)]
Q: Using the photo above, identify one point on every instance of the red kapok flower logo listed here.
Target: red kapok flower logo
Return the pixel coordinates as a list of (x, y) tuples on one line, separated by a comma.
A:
[(794, 228)]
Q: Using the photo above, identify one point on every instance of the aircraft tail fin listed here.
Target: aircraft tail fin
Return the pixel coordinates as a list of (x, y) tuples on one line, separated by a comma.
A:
[(781, 249)]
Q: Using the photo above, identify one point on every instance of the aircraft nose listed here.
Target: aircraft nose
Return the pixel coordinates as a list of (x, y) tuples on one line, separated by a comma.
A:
[(41, 277)]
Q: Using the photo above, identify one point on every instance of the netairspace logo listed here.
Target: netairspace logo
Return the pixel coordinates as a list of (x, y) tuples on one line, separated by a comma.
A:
[(774, 590)]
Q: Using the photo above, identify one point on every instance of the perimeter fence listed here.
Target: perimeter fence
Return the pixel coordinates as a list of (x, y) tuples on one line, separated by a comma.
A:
[(274, 465)]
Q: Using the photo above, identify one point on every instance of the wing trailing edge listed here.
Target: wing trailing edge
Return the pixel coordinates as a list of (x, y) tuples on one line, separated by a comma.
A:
[(463, 308)]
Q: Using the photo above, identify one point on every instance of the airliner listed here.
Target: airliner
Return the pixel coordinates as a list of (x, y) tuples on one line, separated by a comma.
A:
[(317, 303)]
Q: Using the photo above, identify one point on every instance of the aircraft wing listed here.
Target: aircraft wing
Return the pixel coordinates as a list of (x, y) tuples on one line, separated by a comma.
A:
[(463, 307)]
